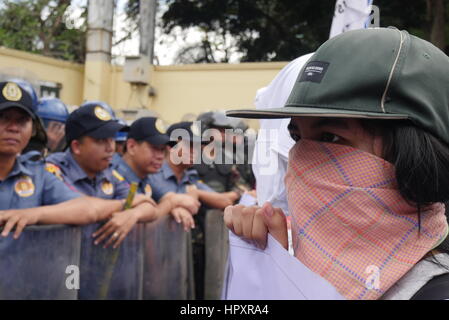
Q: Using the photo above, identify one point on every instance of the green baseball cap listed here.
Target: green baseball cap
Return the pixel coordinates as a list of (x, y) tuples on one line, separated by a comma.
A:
[(379, 73)]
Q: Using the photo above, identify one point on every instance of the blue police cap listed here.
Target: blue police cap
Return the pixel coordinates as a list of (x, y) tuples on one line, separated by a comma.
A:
[(102, 104), (14, 95), (148, 129), (93, 121), (191, 129), (25, 85), (52, 109)]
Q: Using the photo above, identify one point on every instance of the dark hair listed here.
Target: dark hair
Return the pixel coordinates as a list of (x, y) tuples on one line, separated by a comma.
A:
[(421, 160), (422, 165), (125, 147), (79, 139)]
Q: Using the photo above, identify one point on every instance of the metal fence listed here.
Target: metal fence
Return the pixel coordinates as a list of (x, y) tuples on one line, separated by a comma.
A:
[(154, 262)]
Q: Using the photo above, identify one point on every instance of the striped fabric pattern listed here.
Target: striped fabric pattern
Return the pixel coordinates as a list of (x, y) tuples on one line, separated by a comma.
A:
[(349, 222)]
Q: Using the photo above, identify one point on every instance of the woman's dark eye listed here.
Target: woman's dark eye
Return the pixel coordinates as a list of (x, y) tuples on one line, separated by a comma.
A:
[(329, 137)]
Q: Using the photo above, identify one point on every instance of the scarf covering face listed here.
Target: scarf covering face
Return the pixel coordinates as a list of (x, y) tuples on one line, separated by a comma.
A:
[(350, 224)]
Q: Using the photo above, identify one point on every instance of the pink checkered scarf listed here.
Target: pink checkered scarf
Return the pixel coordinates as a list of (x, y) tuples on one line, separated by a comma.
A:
[(349, 222)]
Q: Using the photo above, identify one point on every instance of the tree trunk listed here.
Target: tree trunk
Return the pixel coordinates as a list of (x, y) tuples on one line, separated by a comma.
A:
[(435, 13)]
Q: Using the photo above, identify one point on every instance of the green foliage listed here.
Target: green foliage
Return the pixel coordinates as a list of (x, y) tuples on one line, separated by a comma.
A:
[(264, 30), (44, 27), (281, 30)]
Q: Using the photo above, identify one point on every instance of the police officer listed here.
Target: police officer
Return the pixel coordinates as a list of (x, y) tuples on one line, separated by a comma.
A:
[(28, 193), (216, 173), (222, 172), (90, 132), (244, 143), (144, 154), (102, 104), (54, 114), (38, 141), (178, 175)]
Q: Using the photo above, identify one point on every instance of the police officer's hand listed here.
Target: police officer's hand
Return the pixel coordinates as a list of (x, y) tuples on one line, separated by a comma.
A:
[(183, 216), (141, 198), (116, 228), (254, 223), (192, 191), (18, 219), (183, 200)]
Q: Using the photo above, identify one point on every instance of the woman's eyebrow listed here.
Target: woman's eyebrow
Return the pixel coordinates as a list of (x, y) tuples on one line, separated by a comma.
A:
[(331, 122)]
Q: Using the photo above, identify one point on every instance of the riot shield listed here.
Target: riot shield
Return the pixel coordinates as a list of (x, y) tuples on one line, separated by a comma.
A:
[(108, 273), (41, 264), (216, 248), (168, 265)]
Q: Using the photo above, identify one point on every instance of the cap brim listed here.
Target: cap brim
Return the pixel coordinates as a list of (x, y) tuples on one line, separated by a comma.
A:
[(125, 129), (190, 139), (158, 140), (7, 105), (108, 130), (300, 111)]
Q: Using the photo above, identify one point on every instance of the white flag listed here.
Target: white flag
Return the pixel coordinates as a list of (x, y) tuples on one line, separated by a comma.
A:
[(350, 15)]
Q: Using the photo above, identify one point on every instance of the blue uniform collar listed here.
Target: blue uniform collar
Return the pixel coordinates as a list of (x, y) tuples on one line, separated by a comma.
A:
[(127, 171), (80, 174), (18, 169), (168, 173)]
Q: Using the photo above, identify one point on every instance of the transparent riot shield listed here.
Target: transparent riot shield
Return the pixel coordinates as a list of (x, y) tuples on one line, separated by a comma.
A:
[(41, 264), (168, 265), (216, 248), (108, 273)]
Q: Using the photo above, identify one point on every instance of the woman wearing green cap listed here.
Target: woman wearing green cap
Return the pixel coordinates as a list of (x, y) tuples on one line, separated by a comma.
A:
[(369, 173)]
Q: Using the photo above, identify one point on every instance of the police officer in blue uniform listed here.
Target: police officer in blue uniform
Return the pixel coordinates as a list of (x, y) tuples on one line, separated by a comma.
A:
[(90, 132), (39, 140), (178, 175), (28, 193), (145, 151), (166, 180)]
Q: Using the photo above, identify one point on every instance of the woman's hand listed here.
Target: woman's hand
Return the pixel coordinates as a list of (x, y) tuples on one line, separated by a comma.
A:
[(117, 228), (183, 216), (254, 223)]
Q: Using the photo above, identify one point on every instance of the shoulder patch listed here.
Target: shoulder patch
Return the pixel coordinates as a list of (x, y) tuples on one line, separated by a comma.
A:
[(55, 170), (24, 187), (117, 175), (107, 188)]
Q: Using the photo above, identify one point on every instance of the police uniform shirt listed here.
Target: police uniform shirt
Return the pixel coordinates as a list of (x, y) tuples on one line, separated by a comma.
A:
[(107, 184), (29, 185), (115, 159), (125, 170), (165, 181)]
